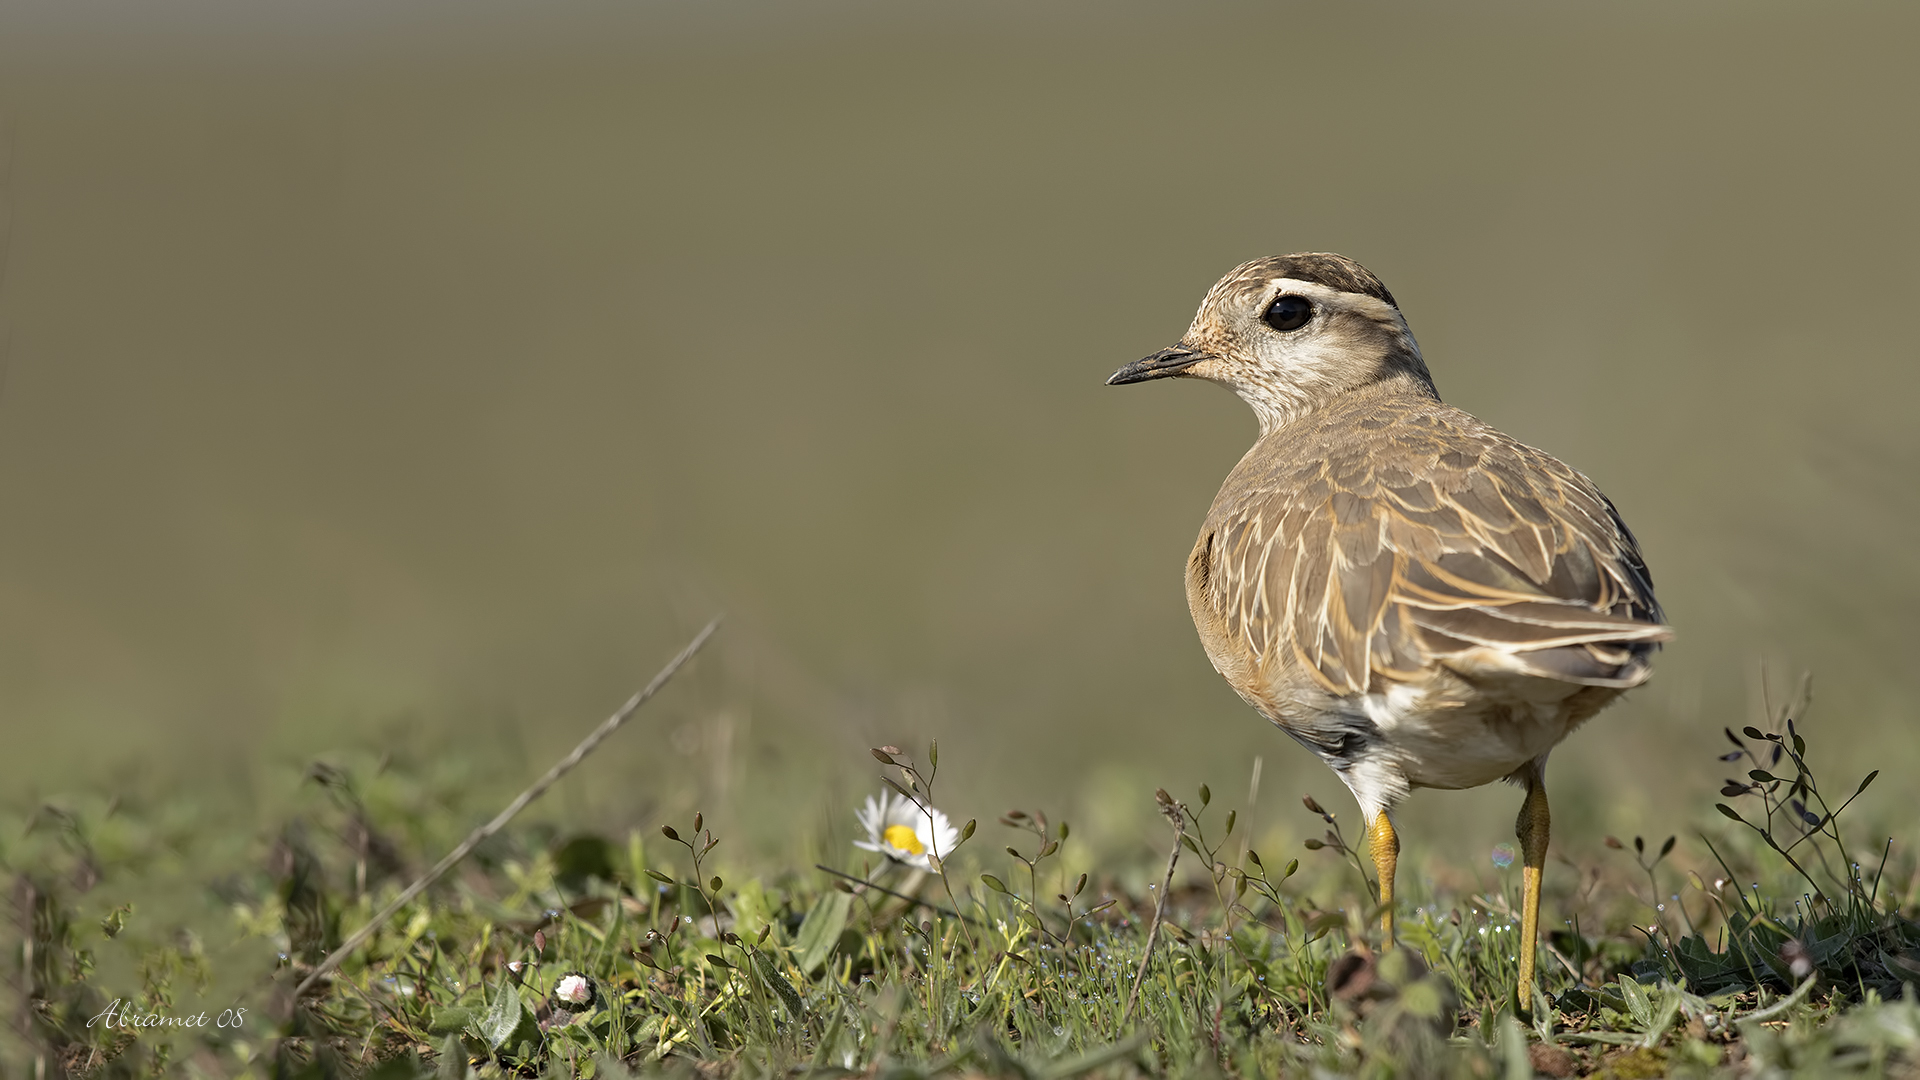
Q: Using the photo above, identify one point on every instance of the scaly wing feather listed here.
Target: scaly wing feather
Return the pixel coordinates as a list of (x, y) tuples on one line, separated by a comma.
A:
[(1436, 540)]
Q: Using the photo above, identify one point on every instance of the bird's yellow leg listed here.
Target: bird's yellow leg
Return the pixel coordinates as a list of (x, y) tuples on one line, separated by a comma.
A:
[(1384, 845), (1532, 831)]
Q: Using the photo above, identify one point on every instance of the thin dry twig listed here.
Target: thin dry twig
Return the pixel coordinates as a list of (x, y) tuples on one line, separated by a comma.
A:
[(1173, 810), (896, 895), (539, 787)]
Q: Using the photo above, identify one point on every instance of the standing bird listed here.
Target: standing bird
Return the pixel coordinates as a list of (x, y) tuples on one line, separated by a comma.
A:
[(1415, 597)]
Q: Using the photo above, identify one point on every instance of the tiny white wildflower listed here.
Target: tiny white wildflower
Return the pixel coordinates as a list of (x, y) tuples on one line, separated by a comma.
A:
[(904, 832), (574, 990), (1798, 957)]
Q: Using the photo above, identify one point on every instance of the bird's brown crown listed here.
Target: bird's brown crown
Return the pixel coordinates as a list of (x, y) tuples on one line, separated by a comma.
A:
[(1319, 267)]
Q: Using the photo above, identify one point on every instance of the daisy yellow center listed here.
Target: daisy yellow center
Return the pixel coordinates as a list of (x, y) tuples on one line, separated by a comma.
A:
[(903, 838)]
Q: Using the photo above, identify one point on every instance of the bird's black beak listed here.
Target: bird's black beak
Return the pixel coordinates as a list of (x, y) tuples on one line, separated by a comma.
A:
[(1171, 361)]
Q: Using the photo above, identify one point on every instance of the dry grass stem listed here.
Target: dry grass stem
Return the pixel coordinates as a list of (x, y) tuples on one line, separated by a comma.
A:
[(539, 787), (897, 895), (1172, 809)]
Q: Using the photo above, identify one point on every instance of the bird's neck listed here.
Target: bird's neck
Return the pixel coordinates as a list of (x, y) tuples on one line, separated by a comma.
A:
[(1280, 406)]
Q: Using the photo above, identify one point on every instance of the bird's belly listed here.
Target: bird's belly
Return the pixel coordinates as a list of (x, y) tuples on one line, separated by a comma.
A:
[(1470, 744)]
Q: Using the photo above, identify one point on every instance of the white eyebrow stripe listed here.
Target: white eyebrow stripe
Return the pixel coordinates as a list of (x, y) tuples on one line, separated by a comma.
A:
[(1371, 306)]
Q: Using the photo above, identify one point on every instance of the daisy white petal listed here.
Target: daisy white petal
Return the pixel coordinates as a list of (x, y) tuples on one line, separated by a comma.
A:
[(904, 832)]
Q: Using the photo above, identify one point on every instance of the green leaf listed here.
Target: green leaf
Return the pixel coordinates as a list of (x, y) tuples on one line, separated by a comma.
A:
[(1637, 1003), (1670, 1002), (1729, 811), (1423, 999), (994, 883), (1513, 1047), (781, 986), (451, 1020), (820, 930), (453, 1060), (503, 1017)]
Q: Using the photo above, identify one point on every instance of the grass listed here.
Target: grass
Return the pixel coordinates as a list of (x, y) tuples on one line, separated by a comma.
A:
[(1793, 956)]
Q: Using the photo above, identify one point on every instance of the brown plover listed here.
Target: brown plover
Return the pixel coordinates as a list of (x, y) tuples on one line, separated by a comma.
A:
[(1410, 594)]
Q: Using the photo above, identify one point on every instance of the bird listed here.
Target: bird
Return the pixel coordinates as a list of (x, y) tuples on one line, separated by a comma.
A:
[(1417, 598)]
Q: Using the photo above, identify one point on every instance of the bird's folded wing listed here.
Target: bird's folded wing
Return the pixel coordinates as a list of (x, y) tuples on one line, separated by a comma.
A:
[(1498, 556)]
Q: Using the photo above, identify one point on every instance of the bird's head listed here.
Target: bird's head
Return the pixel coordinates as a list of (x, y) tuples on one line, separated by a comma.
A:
[(1289, 333)]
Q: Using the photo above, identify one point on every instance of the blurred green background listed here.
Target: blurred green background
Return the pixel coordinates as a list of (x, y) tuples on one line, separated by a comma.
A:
[(423, 375)]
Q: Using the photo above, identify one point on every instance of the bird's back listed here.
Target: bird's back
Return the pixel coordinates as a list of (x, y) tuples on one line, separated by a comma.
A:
[(1387, 539)]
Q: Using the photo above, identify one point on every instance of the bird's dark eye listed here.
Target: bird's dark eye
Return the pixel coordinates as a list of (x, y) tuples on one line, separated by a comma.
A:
[(1288, 313)]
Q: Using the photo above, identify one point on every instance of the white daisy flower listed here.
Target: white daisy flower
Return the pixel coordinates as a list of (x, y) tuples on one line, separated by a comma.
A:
[(904, 832)]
